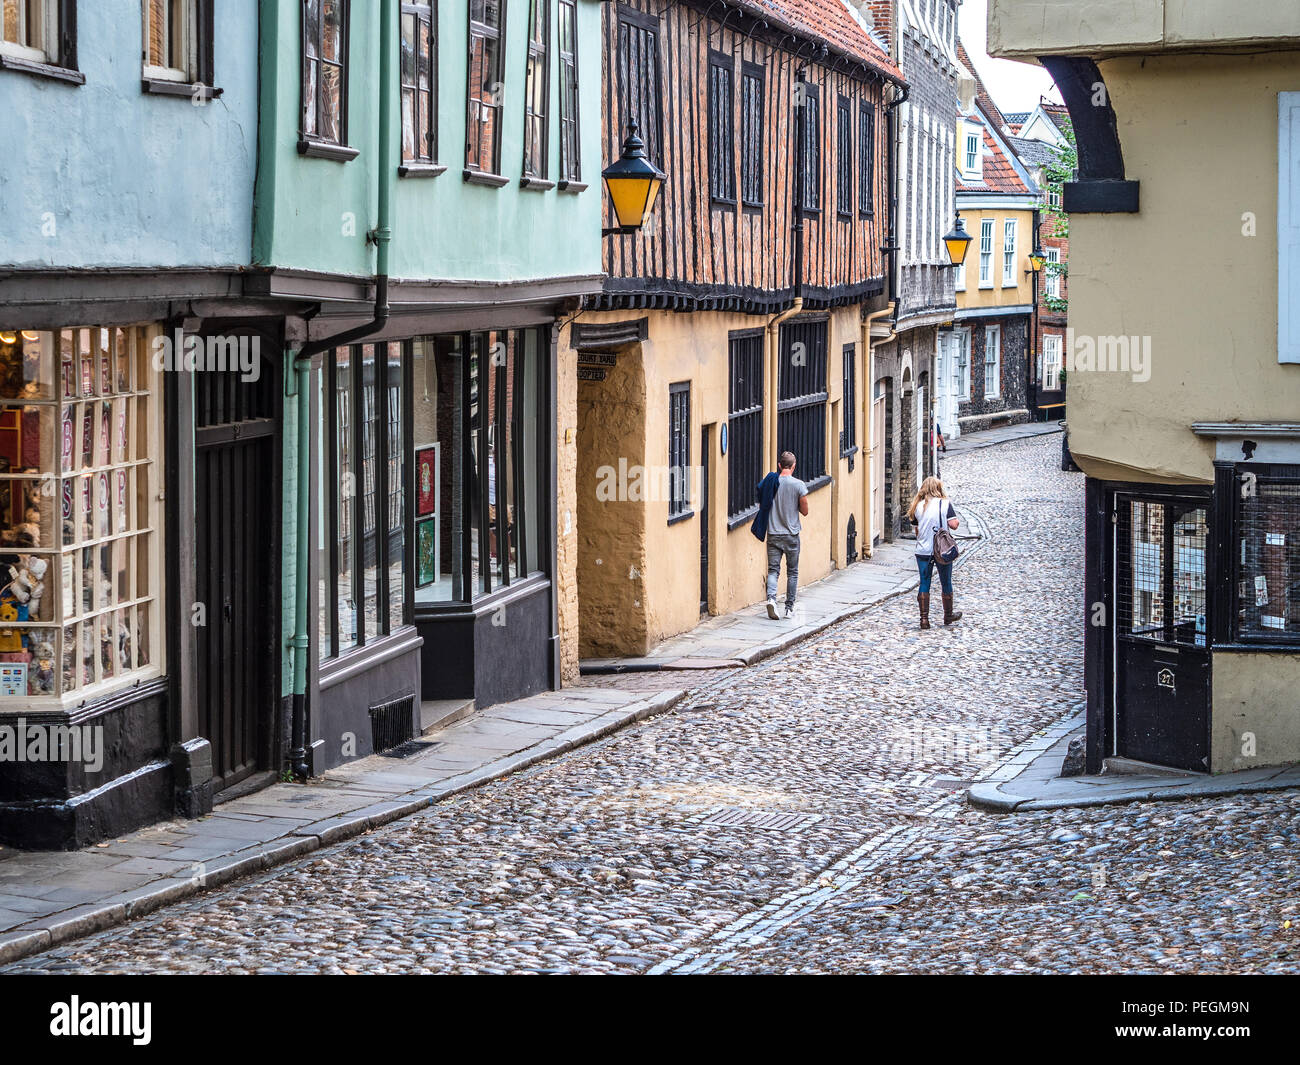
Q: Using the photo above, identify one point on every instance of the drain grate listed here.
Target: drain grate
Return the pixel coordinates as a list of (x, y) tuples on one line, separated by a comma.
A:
[(392, 723), (738, 817), (409, 748)]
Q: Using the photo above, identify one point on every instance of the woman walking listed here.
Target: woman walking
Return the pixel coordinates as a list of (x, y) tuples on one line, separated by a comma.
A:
[(929, 510)]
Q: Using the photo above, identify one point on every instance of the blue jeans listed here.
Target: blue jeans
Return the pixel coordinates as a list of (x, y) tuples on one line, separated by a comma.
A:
[(926, 564), (787, 547)]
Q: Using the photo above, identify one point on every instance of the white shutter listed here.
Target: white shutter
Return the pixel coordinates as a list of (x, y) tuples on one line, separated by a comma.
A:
[(1288, 227)]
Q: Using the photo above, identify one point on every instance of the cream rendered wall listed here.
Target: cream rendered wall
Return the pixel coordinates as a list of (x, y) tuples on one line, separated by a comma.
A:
[(1200, 134), (566, 505), (1045, 27), (1256, 718)]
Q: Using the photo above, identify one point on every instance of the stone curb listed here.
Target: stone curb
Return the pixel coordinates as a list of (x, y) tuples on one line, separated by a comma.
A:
[(39, 935), (990, 792)]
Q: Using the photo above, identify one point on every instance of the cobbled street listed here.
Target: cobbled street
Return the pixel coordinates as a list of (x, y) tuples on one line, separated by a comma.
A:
[(600, 861)]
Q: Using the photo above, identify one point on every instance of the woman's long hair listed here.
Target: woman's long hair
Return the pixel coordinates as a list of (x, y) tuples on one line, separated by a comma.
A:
[(931, 488)]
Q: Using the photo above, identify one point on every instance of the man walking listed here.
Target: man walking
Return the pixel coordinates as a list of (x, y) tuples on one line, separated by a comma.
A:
[(789, 501)]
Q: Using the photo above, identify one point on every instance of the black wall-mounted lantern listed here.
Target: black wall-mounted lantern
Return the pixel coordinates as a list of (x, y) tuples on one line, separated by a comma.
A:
[(957, 242), (633, 183)]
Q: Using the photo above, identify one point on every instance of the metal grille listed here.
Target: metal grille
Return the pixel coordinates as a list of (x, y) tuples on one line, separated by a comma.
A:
[(801, 417), (849, 434), (866, 158), (392, 723), (751, 136), (745, 423), (844, 160), (722, 158), (1161, 578), (1268, 577), (736, 817), (812, 156), (679, 448), (638, 80)]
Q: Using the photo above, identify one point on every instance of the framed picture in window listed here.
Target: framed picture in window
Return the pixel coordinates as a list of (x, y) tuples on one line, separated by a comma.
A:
[(426, 480), (426, 552)]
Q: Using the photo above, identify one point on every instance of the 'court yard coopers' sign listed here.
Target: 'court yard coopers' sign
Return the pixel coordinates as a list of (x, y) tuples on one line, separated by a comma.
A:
[(593, 365)]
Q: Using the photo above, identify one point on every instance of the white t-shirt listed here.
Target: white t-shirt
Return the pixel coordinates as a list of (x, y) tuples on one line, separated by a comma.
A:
[(928, 522)]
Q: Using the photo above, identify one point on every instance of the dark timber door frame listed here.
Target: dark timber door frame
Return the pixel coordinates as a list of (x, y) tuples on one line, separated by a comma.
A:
[(1161, 657), (237, 563)]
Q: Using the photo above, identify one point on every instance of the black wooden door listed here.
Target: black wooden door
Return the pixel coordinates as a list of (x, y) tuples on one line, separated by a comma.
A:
[(236, 582), (704, 519), (1162, 659)]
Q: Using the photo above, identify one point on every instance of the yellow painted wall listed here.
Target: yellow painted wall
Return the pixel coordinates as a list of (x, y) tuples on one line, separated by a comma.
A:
[(1200, 134), (1022, 293), (1255, 707), (638, 576)]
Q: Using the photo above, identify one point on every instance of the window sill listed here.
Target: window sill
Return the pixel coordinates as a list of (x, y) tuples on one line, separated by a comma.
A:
[(41, 70), (185, 90), (724, 202), (752, 208), (482, 177), (358, 660), (314, 149), (685, 515), (1249, 645), (866, 214), (844, 216), (536, 184), (745, 517), (849, 451), (482, 605), (818, 482), (420, 170), (573, 187)]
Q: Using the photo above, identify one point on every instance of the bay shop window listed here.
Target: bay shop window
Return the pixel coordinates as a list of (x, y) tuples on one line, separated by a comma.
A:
[(429, 470), (80, 517)]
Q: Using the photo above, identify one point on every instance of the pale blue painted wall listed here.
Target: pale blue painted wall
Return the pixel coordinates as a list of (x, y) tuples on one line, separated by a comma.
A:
[(129, 179)]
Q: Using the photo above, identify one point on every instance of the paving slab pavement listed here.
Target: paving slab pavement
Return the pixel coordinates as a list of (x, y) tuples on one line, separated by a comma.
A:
[(1030, 779), (1001, 435), (47, 897)]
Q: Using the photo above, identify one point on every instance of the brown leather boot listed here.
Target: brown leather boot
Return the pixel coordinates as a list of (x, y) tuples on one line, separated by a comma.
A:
[(949, 614), (923, 599)]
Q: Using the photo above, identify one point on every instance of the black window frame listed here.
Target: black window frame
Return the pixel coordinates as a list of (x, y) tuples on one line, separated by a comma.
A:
[(537, 172), (849, 423), (811, 161), (647, 109), (474, 171), (314, 144), (381, 490), (753, 85), (746, 415), (62, 67), (679, 452), (866, 159), (421, 162), (721, 102), (802, 397), (843, 159), (570, 100), (1261, 476)]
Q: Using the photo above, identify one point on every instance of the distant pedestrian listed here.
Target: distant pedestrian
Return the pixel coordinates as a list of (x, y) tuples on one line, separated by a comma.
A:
[(939, 441), (929, 511), (783, 498)]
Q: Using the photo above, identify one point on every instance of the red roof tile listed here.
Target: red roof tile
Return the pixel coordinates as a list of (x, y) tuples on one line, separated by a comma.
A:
[(829, 21), (999, 174)]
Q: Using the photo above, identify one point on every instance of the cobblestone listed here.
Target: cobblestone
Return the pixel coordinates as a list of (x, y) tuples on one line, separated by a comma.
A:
[(599, 861)]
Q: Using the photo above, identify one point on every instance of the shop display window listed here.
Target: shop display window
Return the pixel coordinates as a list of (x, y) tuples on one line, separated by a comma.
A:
[(1268, 557), (80, 521)]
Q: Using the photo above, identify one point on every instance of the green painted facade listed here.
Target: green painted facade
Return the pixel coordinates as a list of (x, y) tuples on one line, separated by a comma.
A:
[(313, 214)]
